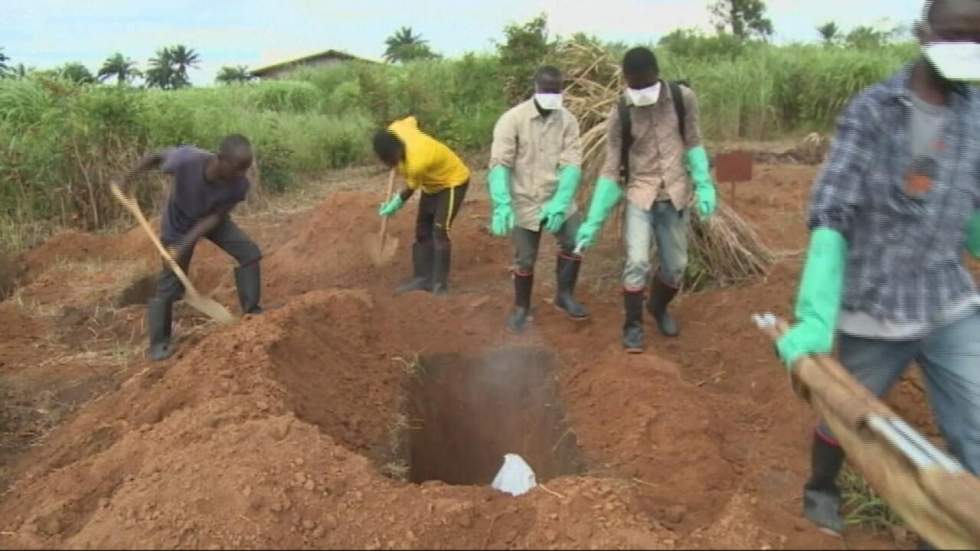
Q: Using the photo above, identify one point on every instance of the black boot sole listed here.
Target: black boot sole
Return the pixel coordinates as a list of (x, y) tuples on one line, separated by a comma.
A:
[(421, 287), (659, 327), (519, 330), (570, 316), (634, 349), (164, 356)]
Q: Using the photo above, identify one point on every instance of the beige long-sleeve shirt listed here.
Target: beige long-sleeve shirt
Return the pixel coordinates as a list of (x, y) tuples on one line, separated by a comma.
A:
[(657, 168), (534, 147)]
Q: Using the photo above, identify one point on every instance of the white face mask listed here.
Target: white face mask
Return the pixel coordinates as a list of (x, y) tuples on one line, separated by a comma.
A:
[(549, 102), (644, 97), (956, 61)]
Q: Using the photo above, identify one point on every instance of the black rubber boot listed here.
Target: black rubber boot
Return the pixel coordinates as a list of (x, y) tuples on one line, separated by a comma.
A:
[(422, 269), (518, 319), (821, 497), (660, 297), (158, 320), (567, 275), (633, 328), (440, 268), (248, 281)]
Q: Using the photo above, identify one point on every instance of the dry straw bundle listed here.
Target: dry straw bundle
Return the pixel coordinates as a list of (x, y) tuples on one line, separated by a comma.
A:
[(724, 251)]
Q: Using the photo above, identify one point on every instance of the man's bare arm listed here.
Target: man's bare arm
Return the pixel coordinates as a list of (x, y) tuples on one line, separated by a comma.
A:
[(149, 162), (201, 228)]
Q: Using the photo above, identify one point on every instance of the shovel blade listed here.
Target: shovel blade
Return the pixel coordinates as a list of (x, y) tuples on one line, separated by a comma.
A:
[(211, 308), (381, 255)]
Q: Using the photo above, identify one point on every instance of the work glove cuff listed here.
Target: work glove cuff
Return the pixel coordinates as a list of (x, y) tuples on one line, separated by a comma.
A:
[(802, 340)]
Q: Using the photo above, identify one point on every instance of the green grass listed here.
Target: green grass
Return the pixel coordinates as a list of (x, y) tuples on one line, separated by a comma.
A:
[(863, 507)]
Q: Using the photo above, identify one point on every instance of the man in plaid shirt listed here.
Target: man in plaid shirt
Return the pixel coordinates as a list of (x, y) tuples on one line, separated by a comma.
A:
[(891, 214)]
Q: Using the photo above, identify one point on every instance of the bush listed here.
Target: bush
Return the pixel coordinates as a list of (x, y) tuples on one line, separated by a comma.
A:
[(697, 45), (285, 96), (9, 274), (273, 158), (526, 47)]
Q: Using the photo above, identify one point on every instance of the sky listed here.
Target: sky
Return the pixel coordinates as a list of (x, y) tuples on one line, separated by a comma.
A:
[(47, 33)]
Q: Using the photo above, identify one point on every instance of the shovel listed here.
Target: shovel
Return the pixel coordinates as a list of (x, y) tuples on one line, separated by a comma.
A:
[(203, 304), (380, 247)]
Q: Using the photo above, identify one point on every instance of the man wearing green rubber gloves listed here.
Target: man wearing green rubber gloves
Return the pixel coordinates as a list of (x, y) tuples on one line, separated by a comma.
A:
[(534, 176), (885, 271), (666, 170), (443, 177)]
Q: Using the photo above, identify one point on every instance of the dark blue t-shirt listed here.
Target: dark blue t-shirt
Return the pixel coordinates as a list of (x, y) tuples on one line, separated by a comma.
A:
[(192, 196)]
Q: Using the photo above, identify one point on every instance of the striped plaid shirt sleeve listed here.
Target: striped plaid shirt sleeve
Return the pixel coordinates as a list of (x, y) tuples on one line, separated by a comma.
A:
[(840, 189)]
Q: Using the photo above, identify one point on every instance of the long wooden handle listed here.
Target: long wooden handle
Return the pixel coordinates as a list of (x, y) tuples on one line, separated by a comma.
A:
[(133, 207), (942, 506), (384, 221)]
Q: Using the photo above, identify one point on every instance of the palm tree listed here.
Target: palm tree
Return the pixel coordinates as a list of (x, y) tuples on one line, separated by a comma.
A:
[(168, 69), (77, 73), (183, 58), (19, 71), (161, 71), (234, 75), (405, 45), (118, 66), (865, 37), (829, 32)]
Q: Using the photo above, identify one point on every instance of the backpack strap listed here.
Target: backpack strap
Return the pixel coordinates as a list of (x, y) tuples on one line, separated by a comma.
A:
[(626, 141), (680, 108)]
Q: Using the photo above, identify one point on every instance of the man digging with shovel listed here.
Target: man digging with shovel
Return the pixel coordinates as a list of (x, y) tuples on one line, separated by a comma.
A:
[(535, 170), (206, 187), (443, 178)]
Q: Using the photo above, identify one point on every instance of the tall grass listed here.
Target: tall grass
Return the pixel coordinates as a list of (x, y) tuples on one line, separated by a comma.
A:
[(768, 92), (61, 143)]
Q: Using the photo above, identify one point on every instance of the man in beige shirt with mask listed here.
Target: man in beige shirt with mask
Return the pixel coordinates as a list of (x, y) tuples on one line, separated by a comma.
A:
[(535, 170)]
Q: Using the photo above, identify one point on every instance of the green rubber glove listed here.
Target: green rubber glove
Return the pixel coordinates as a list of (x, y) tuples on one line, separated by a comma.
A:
[(392, 206), (553, 212), (697, 166), (819, 302), (607, 193), (973, 235), (502, 219)]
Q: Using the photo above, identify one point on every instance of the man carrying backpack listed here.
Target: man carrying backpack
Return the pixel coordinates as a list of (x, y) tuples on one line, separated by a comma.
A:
[(654, 145)]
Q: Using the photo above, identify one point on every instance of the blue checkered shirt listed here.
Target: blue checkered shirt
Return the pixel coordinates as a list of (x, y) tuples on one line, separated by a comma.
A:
[(905, 251)]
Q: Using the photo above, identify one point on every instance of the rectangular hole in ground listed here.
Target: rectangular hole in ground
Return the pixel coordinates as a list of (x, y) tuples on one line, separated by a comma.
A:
[(462, 413)]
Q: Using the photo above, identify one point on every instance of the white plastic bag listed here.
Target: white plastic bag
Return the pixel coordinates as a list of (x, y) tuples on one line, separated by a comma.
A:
[(515, 477)]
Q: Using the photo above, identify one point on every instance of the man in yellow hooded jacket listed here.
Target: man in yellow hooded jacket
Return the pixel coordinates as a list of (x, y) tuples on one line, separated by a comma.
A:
[(429, 165)]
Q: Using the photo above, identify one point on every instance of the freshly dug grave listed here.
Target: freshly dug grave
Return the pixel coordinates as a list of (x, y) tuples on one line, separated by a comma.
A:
[(463, 413)]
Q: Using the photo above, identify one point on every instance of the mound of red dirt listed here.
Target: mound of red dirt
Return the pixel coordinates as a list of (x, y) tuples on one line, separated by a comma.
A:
[(259, 437)]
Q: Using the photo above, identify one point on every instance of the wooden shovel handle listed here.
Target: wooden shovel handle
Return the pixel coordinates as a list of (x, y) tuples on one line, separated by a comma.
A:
[(133, 207), (384, 221)]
